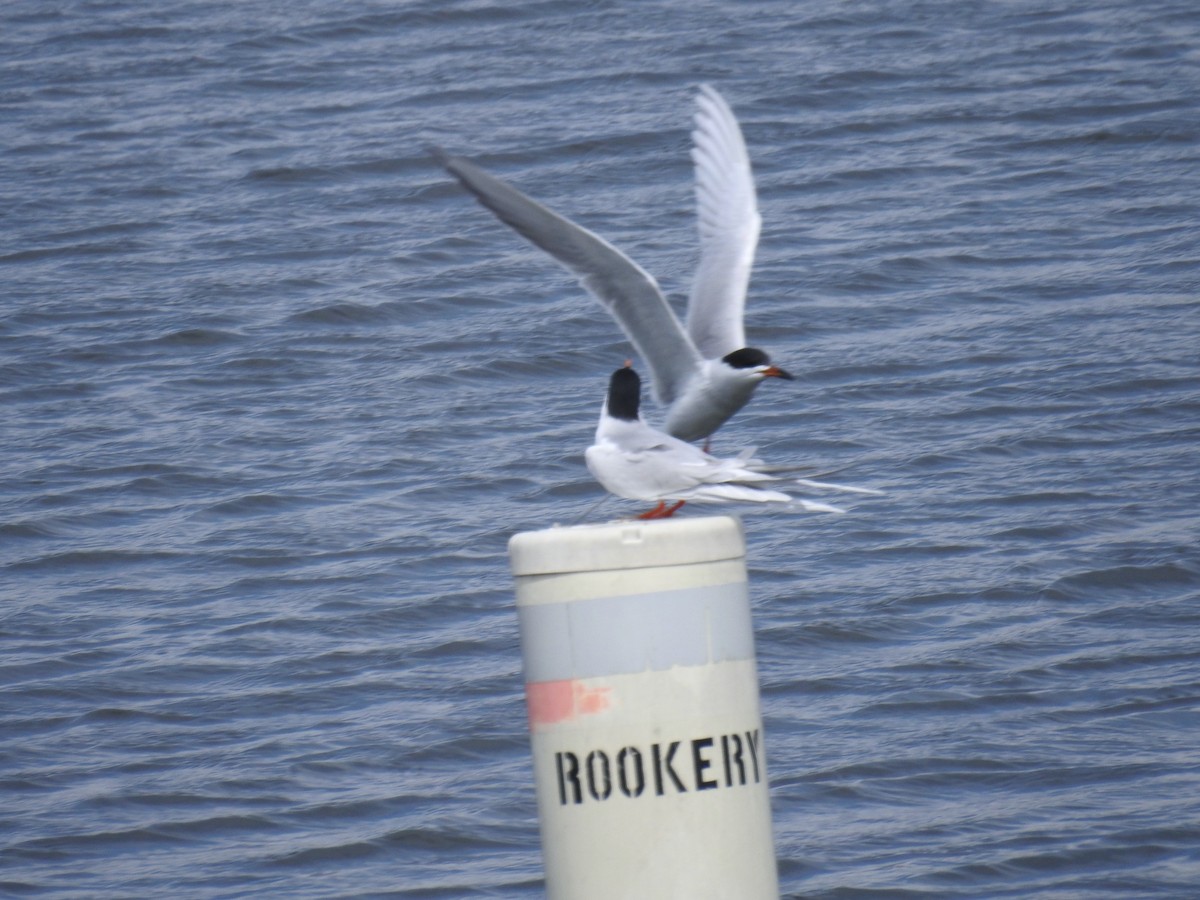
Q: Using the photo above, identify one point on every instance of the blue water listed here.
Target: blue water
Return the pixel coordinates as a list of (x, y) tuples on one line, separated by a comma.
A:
[(276, 393)]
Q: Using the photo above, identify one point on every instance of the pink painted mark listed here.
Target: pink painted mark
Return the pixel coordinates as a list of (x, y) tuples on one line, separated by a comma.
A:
[(551, 702)]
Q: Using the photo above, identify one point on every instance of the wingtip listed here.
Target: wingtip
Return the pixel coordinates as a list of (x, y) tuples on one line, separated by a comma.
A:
[(457, 167), (710, 100), (443, 158)]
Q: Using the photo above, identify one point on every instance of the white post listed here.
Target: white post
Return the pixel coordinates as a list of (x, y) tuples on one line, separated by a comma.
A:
[(642, 694)]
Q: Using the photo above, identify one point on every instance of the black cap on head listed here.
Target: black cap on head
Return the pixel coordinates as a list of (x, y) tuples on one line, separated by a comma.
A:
[(753, 358), (746, 358), (624, 393)]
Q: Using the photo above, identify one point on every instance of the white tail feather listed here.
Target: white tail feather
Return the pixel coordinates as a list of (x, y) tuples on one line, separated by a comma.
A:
[(828, 486)]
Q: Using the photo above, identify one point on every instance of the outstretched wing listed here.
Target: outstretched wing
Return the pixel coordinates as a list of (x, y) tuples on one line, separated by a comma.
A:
[(623, 287), (729, 224)]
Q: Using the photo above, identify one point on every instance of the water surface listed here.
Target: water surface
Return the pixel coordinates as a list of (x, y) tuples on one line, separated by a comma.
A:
[(277, 393)]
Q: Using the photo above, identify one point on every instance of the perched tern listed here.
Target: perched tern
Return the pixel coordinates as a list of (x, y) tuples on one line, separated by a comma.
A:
[(638, 462), (703, 374)]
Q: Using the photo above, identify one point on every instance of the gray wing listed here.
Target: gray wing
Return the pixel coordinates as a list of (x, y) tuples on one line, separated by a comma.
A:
[(729, 223), (622, 287)]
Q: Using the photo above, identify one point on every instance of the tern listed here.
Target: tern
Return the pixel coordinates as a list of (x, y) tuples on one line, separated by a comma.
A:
[(702, 374), (638, 462)]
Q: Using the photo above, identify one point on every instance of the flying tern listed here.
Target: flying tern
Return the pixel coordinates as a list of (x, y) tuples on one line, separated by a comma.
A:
[(638, 462), (705, 373)]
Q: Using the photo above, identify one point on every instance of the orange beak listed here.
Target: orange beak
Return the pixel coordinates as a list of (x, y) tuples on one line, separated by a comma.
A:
[(776, 372)]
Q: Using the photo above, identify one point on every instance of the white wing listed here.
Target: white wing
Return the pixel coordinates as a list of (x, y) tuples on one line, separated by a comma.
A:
[(623, 287), (729, 225)]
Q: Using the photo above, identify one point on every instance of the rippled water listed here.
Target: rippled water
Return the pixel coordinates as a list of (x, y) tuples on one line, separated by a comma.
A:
[(276, 393)]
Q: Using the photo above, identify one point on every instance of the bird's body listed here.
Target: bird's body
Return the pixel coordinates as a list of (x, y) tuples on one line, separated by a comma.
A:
[(703, 373), (713, 393), (638, 462)]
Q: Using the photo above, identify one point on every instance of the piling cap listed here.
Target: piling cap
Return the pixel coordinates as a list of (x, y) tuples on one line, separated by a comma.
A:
[(626, 545)]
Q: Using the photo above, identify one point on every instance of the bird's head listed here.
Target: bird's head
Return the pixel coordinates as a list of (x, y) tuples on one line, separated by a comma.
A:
[(755, 362)]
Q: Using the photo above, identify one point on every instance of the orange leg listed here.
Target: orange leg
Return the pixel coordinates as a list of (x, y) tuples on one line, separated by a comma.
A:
[(653, 513), (662, 511)]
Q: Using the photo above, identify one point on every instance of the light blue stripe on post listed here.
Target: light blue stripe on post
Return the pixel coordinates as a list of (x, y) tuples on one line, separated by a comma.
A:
[(636, 633)]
